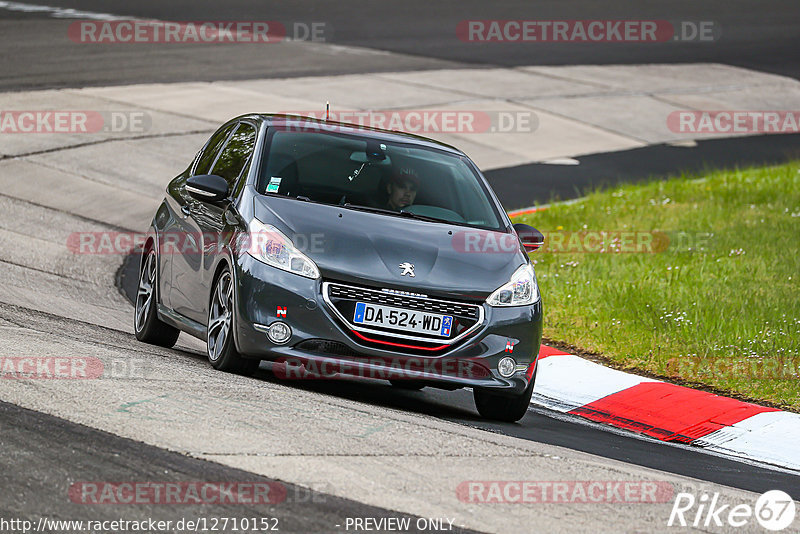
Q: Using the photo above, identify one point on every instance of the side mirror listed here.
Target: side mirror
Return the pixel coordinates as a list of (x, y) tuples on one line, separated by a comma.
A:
[(530, 237), (207, 187)]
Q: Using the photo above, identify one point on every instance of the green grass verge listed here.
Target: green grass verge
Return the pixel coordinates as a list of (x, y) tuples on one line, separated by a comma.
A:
[(718, 306)]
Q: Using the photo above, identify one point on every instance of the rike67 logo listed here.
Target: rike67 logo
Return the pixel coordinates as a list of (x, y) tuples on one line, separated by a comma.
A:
[(774, 510)]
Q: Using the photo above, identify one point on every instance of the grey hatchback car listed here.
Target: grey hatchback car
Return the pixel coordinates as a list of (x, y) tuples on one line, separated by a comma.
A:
[(332, 249)]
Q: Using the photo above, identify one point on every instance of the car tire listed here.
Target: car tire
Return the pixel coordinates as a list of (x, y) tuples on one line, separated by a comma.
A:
[(220, 347), (411, 385), (146, 324), (507, 408)]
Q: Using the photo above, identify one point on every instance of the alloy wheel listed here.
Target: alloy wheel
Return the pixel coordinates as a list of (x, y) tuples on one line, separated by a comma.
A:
[(219, 317), (144, 295)]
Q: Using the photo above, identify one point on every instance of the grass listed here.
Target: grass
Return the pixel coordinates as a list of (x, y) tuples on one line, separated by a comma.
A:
[(718, 306)]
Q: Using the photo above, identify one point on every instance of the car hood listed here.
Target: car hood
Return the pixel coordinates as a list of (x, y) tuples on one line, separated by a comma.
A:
[(369, 248)]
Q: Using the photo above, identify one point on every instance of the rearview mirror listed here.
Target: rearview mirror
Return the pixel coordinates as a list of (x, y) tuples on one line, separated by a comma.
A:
[(530, 237), (363, 157), (207, 187)]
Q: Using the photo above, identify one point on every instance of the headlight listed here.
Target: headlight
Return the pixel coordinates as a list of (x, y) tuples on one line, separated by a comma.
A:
[(519, 291), (269, 245)]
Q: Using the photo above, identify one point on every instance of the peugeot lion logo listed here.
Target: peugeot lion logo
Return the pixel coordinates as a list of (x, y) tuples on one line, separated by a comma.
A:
[(407, 269)]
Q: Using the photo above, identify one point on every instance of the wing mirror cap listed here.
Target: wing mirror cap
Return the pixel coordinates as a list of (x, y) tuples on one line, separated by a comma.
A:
[(207, 187), (531, 238)]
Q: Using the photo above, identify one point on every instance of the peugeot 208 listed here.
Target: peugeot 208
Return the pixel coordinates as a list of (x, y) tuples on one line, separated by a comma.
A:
[(333, 249)]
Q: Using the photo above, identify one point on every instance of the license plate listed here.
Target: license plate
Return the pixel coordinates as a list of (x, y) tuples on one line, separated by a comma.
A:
[(405, 320)]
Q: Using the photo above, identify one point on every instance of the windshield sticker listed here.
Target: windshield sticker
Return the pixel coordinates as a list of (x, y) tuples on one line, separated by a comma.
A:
[(274, 184)]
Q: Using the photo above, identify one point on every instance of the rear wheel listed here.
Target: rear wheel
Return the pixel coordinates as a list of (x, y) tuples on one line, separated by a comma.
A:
[(220, 348), (508, 408), (147, 326)]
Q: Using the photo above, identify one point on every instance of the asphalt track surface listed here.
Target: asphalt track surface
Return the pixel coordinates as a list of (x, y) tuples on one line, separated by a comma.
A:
[(421, 35), (539, 426), (39, 468), (760, 35), (540, 183), (42, 454)]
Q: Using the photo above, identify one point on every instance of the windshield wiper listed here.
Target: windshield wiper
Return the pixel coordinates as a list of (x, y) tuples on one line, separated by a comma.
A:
[(370, 209), (411, 215), (417, 216), (401, 213)]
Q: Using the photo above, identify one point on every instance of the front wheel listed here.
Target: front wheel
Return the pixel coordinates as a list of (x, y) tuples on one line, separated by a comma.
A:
[(146, 324), (220, 348), (508, 408)]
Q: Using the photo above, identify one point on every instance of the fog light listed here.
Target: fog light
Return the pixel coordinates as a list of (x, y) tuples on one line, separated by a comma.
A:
[(506, 367), (279, 332)]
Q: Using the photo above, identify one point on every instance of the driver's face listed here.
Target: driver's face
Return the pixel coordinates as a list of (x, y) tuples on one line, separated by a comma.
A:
[(401, 194)]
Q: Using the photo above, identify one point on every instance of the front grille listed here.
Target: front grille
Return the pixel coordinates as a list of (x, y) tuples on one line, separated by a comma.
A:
[(342, 298), (339, 291)]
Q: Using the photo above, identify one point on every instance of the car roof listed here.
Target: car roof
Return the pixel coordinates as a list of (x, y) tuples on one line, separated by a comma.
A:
[(354, 129)]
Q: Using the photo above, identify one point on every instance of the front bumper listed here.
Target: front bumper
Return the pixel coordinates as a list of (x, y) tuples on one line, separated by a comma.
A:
[(322, 342)]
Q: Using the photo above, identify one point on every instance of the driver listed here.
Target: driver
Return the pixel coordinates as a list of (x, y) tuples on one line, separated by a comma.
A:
[(402, 189)]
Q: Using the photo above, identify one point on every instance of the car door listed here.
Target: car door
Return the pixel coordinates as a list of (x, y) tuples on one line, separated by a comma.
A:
[(208, 218), (181, 242)]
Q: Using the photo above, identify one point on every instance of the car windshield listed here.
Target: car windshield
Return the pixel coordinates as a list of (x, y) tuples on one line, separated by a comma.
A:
[(359, 172)]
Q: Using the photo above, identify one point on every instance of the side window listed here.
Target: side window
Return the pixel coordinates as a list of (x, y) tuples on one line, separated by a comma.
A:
[(236, 153), (211, 150)]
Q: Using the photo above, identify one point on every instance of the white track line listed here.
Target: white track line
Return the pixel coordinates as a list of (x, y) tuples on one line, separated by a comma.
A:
[(60, 12)]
